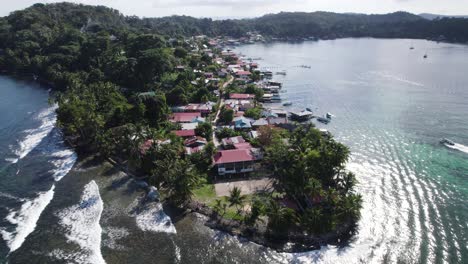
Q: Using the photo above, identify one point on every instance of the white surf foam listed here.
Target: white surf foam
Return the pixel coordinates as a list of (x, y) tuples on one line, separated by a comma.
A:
[(82, 224), (459, 147), (152, 218), (64, 163), (26, 219), (35, 136)]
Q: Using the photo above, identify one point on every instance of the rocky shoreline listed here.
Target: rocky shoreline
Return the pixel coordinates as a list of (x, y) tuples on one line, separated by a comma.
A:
[(292, 243)]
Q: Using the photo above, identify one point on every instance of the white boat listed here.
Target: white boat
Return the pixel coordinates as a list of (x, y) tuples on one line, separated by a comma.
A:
[(328, 115), (446, 141), (287, 104)]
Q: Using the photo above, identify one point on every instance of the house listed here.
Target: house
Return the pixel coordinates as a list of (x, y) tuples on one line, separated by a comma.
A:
[(208, 75), (234, 161), (301, 116), (145, 146), (260, 122), (229, 143), (245, 105), (204, 109), (239, 96), (274, 121), (185, 133), (185, 117), (189, 126), (195, 141), (242, 122), (244, 75)]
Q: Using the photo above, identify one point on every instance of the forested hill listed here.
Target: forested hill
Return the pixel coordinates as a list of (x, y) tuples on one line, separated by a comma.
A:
[(282, 25)]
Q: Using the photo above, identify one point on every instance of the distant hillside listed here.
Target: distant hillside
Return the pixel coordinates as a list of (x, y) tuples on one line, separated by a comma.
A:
[(434, 16), (285, 25)]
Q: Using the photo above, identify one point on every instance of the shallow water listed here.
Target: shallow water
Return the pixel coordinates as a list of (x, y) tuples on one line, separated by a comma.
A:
[(389, 104)]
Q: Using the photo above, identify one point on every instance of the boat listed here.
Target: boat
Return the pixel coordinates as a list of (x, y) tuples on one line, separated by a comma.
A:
[(308, 109), (323, 120), (328, 115), (446, 141), (287, 104), (281, 73), (425, 56), (411, 48)]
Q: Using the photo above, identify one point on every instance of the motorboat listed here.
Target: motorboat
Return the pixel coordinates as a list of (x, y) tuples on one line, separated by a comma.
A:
[(328, 115), (287, 104), (323, 120), (446, 141), (281, 73), (308, 109)]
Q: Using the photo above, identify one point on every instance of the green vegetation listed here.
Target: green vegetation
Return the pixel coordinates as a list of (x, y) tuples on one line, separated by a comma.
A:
[(116, 78)]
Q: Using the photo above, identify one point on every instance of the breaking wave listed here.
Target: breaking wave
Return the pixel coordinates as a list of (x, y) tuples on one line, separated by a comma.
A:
[(82, 224), (26, 219), (35, 136), (152, 218)]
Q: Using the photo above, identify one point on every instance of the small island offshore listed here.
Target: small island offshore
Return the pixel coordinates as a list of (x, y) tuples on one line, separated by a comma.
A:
[(191, 120)]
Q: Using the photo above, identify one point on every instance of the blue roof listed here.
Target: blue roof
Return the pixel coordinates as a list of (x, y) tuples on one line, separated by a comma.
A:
[(242, 122)]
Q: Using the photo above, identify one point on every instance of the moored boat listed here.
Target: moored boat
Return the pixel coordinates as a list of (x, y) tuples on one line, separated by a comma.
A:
[(287, 104), (323, 120)]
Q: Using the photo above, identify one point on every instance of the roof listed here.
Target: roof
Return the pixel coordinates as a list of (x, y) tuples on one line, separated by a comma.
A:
[(260, 122), (185, 133), (241, 96), (245, 145), (184, 117), (243, 73), (231, 156), (277, 120), (189, 126), (233, 140), (242, 122)]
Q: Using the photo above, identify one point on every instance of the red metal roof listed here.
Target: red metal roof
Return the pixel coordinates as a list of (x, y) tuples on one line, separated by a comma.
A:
[(241, 96), (185, 133), (184, 117), (239, 73), (231, 156)]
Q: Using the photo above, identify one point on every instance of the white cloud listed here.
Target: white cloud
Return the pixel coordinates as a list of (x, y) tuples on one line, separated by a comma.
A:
[(249, 8)]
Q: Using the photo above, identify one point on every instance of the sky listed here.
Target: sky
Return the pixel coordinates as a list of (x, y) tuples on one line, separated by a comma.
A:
[(254, 8)]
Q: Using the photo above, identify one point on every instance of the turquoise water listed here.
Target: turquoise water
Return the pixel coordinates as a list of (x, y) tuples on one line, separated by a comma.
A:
[(390, 106)]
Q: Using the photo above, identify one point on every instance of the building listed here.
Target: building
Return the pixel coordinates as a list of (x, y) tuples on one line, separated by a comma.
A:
[(234, 161), (238, 96), (185, 133), (229, 143), (185, 117), (241, 123)]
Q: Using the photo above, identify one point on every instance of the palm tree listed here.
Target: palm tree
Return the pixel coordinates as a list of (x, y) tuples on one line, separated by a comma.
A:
[(236, 199), (279, 217), (220, 207)]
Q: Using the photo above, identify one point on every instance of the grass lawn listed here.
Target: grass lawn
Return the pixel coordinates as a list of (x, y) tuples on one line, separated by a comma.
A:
[(206, 194)]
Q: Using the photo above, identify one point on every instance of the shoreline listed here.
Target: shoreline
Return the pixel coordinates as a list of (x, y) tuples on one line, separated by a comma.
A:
[(292, 243)]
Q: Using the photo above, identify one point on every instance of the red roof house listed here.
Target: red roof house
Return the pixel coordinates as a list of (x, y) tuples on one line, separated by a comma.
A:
[(184, 117), (185, 133), (234, 161), (239, 96)]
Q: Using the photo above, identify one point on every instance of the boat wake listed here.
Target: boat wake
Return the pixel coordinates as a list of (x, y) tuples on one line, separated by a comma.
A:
[(459, 147), (26, 219), (151, 217), (81, 222), (34, 136)]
